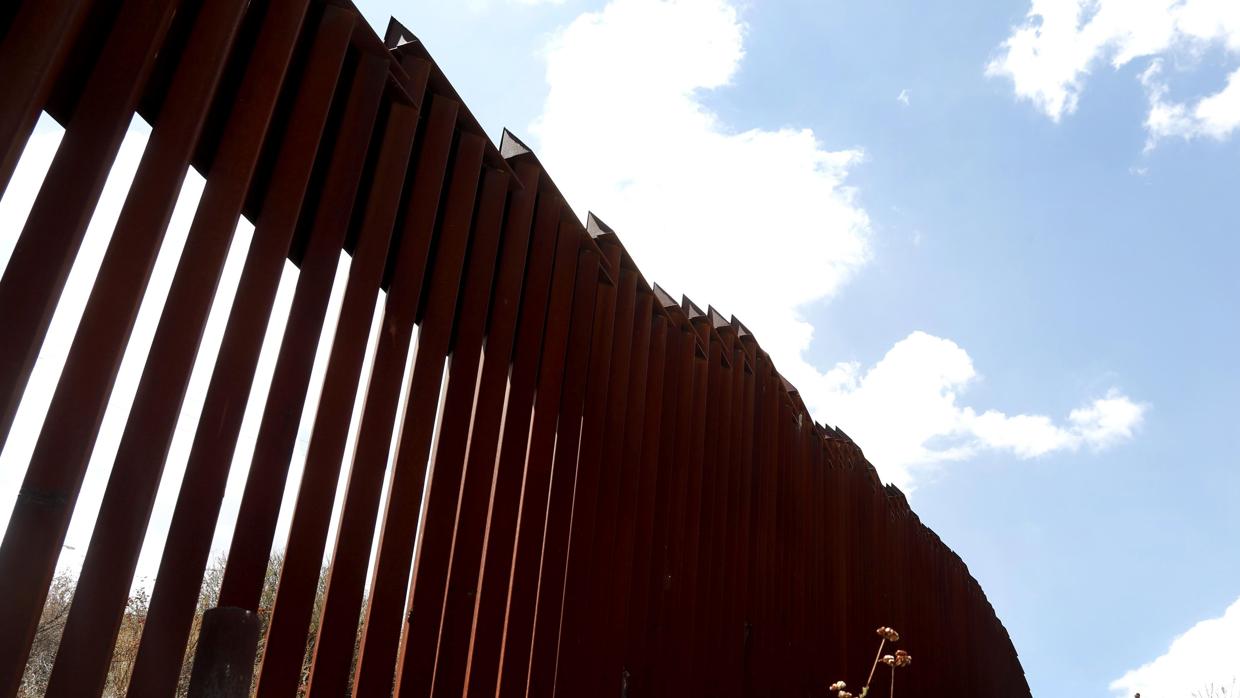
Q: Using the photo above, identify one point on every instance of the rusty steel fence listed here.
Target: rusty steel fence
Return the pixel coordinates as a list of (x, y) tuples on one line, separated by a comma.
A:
[(593, 490)]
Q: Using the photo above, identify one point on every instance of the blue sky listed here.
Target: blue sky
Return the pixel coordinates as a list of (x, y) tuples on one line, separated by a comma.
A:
[(994, 241), (1069, 254)]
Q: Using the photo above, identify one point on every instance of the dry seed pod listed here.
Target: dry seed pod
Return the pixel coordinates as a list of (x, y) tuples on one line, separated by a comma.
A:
[(888, 634)]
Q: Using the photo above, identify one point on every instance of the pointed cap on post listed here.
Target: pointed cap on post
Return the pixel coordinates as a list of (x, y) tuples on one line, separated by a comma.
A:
[(597, 228), (664, 298), (741, 330), (788, 386), (397, 35), (510, 146), (717, 320), (691, 308)]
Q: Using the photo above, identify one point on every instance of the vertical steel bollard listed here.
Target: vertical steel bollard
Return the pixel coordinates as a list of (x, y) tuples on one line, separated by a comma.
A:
[(224, 663)]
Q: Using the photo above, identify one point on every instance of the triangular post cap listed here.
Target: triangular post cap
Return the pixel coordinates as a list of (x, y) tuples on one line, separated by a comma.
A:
[(397, 35), (596, 227), (691, 308), (510, 146), (717, 320), (741, 330), (792, 389), (664, 298)]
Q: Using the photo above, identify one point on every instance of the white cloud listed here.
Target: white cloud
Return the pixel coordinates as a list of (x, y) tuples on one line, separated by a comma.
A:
[(1107, 420), (1216, 116), (906, 412), (903, 97), (1050, 55), (1204, 655), (759, 223)]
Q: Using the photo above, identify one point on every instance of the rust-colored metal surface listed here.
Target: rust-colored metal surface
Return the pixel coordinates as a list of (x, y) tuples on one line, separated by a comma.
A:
[(574, 484)]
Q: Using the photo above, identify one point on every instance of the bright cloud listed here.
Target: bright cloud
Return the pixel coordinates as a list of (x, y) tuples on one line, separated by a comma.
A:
[(1050, 55), (906, 412), (1203, 656), (759, 223), (1216, 116)]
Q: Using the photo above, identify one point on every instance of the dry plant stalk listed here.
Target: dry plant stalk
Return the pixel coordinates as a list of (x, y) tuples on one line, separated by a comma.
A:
[(899, 660)]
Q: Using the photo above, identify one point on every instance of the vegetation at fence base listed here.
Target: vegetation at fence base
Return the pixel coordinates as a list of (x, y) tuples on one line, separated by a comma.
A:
[(899, 660), (60, 600)]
